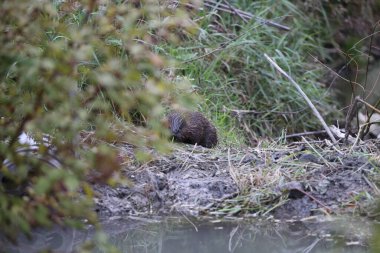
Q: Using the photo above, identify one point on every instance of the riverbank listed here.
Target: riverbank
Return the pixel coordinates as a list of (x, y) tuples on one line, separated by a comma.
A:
[(292, 181)]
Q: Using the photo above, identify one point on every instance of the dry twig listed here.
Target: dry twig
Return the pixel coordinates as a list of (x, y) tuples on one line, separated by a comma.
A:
[(227, 7), (305, 134), (351, 113)]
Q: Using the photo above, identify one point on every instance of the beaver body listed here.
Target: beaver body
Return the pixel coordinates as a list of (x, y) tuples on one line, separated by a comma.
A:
[(193, 128)]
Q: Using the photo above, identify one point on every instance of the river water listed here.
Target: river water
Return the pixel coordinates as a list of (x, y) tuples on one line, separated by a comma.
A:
[(172, 235)]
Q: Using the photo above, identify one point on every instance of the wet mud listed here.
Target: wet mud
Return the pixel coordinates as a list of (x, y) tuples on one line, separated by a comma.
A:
[(286, 183)]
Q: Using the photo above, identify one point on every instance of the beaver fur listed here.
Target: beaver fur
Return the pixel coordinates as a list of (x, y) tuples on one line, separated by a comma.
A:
[(193, 128)]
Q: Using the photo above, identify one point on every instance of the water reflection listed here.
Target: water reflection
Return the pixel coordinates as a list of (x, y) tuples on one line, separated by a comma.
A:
[(174, 235)]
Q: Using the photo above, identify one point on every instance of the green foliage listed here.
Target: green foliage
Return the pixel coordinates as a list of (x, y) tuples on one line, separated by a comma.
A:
[(226, 62), (71, 66)]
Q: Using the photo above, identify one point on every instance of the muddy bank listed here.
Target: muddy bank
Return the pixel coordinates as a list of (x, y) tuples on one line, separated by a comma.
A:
[(294, 181)]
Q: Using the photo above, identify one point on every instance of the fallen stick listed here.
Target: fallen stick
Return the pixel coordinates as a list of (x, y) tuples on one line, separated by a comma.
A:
[(253, 112), (315, 111), (304, 134)]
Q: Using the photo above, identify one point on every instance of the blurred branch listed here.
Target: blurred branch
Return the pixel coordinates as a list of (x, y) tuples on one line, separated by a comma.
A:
[(21, 126), (27, 118)]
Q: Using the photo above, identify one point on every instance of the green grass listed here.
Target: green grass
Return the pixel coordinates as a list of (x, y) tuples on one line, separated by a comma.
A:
[(227, 68)]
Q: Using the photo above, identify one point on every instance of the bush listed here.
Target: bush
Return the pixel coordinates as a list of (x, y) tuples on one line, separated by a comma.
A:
[(71, 66)]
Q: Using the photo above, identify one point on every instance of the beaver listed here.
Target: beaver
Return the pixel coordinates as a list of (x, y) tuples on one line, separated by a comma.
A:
[(193, 128)]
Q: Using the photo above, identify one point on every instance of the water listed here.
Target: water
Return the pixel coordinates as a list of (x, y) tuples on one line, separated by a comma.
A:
[(173, 235)]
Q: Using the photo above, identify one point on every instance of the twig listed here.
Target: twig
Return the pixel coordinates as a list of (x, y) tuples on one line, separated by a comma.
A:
[(225, 8), (315, 111), (310, 142), (235, 11), (357, 139), (311, 246), (349, 117), (351, 113), (338, 133), (368, 104), (372, 185), (188, 157), (305, 134), (242, 14), (335, 73), (320, 156), (253, 112), (204, 55)]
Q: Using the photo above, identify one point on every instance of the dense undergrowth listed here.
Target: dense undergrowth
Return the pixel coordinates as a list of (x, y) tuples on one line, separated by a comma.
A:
[(244, 96), (72, 66)]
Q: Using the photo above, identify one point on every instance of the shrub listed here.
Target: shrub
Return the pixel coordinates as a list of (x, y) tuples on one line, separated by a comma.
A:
[(71, 66)]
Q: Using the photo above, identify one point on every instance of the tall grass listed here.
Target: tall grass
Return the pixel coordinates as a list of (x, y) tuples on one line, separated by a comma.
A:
[(226, 66)]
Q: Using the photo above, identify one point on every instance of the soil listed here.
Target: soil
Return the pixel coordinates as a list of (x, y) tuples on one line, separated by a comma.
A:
[(295, 181)]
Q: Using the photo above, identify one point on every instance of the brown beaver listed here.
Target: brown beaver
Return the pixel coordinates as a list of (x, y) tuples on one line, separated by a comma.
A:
[(193, 128)]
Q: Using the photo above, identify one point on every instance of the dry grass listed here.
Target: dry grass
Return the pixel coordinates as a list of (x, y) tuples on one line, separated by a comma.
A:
[(265, 175)]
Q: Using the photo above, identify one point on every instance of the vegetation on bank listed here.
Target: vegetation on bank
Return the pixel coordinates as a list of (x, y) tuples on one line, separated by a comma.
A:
[(71, 72), (242, 93)]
